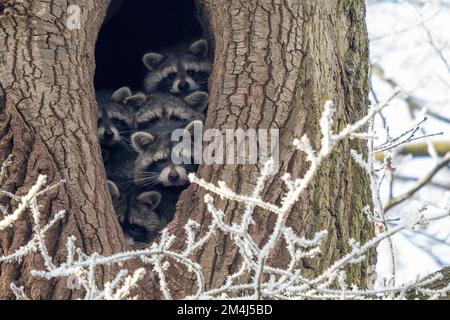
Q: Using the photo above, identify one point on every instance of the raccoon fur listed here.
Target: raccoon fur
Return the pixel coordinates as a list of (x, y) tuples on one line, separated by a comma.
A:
[(155, 169), (120, 202), (143, 223), (116, 115), (114, 118), (154, 164), (164, 113), (114, 128), (136, 214), (178, 71)]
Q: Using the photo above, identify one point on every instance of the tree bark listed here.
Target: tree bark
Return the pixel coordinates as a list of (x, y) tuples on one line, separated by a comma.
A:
[(48, 124), (276, 63), (437, 285)]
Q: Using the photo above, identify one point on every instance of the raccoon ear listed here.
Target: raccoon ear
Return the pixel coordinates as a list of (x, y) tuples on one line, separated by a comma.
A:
[(114, 190), (190, 128), (199, 48), (152, 60), (138, 100), (121, 94), (141, 141), (151, 199), (198, 100)]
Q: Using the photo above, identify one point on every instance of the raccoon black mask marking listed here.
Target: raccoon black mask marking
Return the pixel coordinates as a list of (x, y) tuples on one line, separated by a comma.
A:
[(179, 72), (116, 115), (136, 214), (143, 223), (155, 169), (115, 125), (154, 165), (164, 113)]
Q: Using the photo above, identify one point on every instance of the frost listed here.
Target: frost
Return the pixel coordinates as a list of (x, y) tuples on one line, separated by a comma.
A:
[(256, 277)]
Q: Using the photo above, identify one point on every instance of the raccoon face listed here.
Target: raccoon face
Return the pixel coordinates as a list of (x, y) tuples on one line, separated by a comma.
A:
[(119, 202), (154, 165), (143, 222), (179, 73), (116, 116), (165, 113), (111, 128)]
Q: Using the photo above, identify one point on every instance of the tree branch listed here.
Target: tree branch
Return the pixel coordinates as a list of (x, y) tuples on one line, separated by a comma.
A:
[(421, 149), (422, 183), (435, 285), (412, 102)]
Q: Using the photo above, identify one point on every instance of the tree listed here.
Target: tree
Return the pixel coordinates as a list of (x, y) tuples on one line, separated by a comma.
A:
[(275, 68), (276, 63), (48, 125)]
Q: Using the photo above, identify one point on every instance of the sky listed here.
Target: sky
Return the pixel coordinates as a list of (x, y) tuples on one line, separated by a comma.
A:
[(410, 40)]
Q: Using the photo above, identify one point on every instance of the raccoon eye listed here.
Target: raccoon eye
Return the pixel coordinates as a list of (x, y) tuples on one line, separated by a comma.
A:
[(119, 123), (174, 117), (152, 121), (172, 75), (145, 125), (159, 163), (191, 72)]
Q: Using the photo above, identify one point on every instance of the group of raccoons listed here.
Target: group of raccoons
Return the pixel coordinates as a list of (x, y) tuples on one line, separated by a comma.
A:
[(135, 132)]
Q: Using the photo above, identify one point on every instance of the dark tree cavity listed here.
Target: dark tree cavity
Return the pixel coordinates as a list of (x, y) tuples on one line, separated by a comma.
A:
[(134, 28)]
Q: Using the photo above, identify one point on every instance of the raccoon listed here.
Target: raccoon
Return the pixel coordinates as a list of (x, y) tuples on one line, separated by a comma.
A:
[(154, 163), (178, 71), (115, 125), (115, 116), (120, 202), (155, 169), (136, 214), (164, 113), (143, 223)]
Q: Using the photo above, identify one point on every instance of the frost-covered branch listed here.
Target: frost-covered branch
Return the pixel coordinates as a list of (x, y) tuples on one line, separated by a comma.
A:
[(420, 184), (256, 277), (289, 283), (25, 202)]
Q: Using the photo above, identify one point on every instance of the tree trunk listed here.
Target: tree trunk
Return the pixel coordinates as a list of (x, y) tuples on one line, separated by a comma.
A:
[(48, 123), (437, 285), (276, 63)]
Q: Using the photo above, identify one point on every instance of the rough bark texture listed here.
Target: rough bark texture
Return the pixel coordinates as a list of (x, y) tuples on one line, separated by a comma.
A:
[(437, 285), (47, 122), (276, 63)]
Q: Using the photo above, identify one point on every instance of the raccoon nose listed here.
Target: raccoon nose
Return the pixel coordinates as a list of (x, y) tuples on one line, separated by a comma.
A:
[(174, 177), (109, 134), (184, 86)]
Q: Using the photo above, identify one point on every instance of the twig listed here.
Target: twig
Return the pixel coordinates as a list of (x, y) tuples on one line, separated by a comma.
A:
[(421, 184)]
